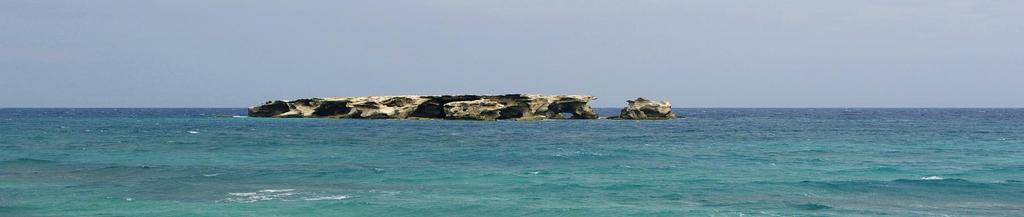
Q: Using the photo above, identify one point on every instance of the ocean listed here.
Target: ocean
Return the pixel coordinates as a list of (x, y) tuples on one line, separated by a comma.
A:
[(714, 162)]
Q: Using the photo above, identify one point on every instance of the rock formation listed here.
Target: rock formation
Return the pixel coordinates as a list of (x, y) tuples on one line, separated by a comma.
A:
[(472, 107), (481, 109), (643, 109)]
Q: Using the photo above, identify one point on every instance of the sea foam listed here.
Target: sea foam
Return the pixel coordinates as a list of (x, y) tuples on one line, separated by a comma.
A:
[(336, 197), (280, 195), (261, 195)]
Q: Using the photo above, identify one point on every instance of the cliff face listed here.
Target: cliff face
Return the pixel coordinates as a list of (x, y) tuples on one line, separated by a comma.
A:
[(472, 107), (643, 109)]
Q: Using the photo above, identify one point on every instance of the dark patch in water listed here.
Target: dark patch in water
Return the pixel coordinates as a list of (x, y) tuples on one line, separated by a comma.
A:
[(625, 186), (27, 161), (670, 197), (95, 185), (811, 206)]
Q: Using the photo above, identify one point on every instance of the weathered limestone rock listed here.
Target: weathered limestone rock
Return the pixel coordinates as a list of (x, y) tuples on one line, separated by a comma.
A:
[(347, 107), (643, 109), (270, 109), (478, 107), (481, 109)]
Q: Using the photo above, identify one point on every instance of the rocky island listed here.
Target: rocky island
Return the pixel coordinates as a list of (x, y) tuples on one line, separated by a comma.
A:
[(457, 107), (466, 107)]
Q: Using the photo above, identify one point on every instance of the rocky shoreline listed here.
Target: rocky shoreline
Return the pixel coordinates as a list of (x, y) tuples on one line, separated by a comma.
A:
[(457, 107)]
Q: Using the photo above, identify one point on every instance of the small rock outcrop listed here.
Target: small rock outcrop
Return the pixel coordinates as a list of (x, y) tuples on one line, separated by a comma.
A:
[(468, 107), (644, 109)]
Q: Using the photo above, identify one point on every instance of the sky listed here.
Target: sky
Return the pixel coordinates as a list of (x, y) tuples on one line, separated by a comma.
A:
[(784, 53)]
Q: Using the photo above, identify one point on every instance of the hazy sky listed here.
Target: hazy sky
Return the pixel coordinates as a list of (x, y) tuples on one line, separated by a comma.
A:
[(811, 53)]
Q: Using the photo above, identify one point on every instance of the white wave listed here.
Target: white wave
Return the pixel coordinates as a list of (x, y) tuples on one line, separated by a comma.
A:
[(286, 195), (336, 197), (276, 190), (193, 132), (243, 194), (932, 178), (261, 195), (211, 175), (239, 116)]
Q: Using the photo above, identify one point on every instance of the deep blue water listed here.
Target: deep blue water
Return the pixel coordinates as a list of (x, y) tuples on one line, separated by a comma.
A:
[(716, 162)]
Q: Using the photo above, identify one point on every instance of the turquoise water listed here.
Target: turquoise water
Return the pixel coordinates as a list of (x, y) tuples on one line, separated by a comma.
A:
[(716, 162)]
